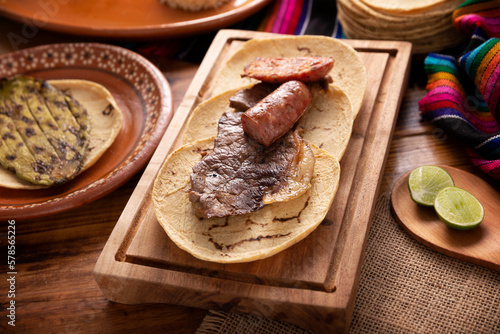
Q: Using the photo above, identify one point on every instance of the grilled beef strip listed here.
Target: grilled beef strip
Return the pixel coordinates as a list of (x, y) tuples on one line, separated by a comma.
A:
[(234, 177)]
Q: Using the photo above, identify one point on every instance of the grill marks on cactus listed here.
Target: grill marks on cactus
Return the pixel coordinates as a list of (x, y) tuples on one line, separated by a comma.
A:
[(44, 132)]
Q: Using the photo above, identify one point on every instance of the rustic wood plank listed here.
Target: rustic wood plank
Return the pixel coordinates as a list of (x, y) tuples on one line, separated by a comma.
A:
[(367, 181), (305, 292), (48, 304), (55, 290), (409, 152)]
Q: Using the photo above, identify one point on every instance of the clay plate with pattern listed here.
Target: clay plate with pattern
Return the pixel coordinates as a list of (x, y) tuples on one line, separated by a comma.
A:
[(140, 90), (125, 18)]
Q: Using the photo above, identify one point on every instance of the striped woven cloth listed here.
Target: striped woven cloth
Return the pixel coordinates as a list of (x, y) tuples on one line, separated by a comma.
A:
[(301, 17), (463, 95)]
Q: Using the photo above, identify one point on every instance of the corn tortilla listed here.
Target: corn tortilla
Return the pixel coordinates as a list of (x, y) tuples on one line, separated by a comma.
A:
[(426, 24), (327, 123), (242, 238), (407, 6), (348, 71)]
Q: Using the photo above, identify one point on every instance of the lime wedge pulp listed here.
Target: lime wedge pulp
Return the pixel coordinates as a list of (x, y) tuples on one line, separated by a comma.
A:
[(425, 182), (458, 208)]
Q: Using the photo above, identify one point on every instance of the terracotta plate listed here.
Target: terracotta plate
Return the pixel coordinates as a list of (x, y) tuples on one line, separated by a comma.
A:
[(140, 90), (125, 18)]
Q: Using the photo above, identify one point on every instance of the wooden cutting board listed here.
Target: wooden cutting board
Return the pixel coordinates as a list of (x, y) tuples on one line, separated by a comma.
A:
[(313, 283)]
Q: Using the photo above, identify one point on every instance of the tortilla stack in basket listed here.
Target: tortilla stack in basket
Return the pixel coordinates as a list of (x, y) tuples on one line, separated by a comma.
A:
[(327, 126), (426, 24)]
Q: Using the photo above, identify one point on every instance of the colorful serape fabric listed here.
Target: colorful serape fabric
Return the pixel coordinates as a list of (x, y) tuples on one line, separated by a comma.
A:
[(464, 90), (302, 17), (290, 17)]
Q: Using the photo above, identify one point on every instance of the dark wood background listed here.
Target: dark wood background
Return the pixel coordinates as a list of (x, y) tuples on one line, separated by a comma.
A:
[(55, 288)]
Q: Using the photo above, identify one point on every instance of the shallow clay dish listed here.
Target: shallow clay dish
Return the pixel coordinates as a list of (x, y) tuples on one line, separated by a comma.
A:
[(140, 90), (125, 18)]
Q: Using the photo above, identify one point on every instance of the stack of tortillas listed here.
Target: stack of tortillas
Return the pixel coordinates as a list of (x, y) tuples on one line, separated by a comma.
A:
[(427, 24)]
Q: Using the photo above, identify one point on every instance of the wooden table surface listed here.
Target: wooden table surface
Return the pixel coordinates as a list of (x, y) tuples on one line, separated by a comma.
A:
[(55, 255)]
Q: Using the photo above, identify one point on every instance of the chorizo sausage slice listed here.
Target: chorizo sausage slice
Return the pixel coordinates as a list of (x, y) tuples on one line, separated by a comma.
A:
[(274, 115)]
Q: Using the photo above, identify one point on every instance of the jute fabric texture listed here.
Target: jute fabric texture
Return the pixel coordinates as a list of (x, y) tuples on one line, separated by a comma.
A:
[(404, 287)]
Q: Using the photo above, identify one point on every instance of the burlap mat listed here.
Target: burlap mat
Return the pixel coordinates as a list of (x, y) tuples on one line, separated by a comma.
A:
[(404, 287)]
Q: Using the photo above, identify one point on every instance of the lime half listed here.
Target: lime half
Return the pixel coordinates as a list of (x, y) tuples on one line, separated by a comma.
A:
[(458, 208), (426, 182)]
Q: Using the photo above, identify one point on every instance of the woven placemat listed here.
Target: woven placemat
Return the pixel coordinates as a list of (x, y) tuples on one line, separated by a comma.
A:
[(404, 287)]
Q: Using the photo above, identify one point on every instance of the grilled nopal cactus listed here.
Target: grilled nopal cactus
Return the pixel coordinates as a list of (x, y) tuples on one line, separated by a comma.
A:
[(70, 115), (42, 140), (14, 155)]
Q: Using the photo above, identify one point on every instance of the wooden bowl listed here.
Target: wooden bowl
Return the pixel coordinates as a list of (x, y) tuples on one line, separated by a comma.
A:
[(479, 245)]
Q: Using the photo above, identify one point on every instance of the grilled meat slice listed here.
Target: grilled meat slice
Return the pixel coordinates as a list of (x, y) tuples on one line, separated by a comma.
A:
[(283, 69), (233, 179), (248, 97), (299, 176)]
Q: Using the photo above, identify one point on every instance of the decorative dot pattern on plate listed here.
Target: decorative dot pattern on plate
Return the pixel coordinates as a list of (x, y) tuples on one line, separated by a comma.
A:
[(102, 56), (144, 83)]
